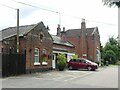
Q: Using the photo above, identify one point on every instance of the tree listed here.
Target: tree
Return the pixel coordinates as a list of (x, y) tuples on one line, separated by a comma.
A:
[(111, 51), (113, 41), (111, 3), (110, 56), (101, 51)]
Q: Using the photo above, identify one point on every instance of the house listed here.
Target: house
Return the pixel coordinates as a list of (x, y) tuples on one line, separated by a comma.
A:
[(60, 46), (85, 40), (34, 40)]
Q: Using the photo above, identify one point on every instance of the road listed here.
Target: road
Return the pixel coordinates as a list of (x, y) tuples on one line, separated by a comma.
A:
[(106, 77)]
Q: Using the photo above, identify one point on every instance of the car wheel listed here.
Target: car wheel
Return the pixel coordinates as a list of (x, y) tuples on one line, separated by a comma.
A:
[(89, 68), (70, 67)]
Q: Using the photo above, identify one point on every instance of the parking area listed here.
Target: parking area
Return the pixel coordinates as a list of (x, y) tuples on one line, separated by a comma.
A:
[(55, 75), (64, 79), (66, 75)]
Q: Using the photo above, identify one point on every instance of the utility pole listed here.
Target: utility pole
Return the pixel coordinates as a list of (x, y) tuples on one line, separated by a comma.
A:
[(119, 26), (17, 30), (17, 46)]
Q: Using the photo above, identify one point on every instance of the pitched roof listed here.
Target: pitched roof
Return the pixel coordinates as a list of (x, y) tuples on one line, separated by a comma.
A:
[(12, 31), (73, 32), (76, 32), (58, 40)]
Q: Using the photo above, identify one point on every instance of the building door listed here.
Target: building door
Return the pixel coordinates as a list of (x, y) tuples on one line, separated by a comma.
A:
[(54, 61)]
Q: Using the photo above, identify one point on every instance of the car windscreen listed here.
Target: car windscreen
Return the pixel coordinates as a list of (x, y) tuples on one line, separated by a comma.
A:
[(88, 61)]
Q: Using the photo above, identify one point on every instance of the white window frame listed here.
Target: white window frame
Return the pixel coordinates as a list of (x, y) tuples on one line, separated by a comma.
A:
[(44, 51), (36, 55)]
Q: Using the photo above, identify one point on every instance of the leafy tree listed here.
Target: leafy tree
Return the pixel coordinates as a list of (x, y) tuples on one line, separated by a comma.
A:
[(102, 51), (110, 56), (111, 3), (113, 41), (111, 51)]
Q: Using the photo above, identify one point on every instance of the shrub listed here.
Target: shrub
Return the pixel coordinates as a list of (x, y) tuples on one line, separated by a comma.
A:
[(61, 61)]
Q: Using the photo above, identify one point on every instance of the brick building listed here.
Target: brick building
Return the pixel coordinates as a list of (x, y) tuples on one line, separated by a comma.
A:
[(61, 46), (85, 40), (35, 40)]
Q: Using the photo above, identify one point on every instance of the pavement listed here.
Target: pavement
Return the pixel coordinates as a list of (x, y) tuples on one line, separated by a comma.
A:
[(65, 79), (66, 75)]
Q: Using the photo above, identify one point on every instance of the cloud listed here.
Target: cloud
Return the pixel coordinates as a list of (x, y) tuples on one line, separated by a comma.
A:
[(91, 10), (25, 11)]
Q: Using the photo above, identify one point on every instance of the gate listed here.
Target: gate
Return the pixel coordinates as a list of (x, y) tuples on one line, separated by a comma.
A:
[(13, 64)]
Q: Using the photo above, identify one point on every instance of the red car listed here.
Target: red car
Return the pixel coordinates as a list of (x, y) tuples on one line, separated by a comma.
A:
[(81, 63)]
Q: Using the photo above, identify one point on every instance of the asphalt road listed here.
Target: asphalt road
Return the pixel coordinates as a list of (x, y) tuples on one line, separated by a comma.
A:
[(106, 77)]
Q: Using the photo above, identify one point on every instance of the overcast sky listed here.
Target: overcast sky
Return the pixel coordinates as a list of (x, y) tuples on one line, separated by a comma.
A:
[(105, 18)]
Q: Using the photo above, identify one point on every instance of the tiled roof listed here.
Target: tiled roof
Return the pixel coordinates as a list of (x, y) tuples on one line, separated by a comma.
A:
[(73, 32), (11, 31), (60, 49), (58, 40), (76, 32)]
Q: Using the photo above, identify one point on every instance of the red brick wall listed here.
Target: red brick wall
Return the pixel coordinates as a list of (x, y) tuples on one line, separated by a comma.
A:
[(29, 43), (88, 46), (75, 42), (91, 49), (93, 43), (33, 41), (9, 43)]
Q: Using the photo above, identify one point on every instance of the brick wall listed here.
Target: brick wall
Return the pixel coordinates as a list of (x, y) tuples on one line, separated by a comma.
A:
[(33, 41), (28, 43)]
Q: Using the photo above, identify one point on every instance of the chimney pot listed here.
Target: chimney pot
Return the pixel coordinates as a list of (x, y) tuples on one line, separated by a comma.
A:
[(83, 20), (58, 30), (64, 29)]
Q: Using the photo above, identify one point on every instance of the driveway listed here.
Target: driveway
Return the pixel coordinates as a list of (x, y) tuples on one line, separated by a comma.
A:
[(65, 79)]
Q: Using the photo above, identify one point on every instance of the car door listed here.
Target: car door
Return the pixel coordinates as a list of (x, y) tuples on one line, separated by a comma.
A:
[(82, 63), (72, 63), (76, 63), (79, 64)]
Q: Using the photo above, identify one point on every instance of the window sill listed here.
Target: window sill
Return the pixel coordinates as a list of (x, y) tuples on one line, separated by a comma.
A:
[(44, 63), (36, 63)]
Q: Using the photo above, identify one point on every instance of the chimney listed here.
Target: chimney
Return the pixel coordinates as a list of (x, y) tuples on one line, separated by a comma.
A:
[(58, 30), (63, 36), (83, 40), (83, 25), (63, 29)]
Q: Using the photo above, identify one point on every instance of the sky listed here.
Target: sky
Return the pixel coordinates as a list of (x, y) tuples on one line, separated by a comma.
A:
[(70, 17)]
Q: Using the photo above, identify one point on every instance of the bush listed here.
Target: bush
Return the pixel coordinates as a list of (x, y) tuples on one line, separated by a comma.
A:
[(118, 62), (61, 61), (110, 56)]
